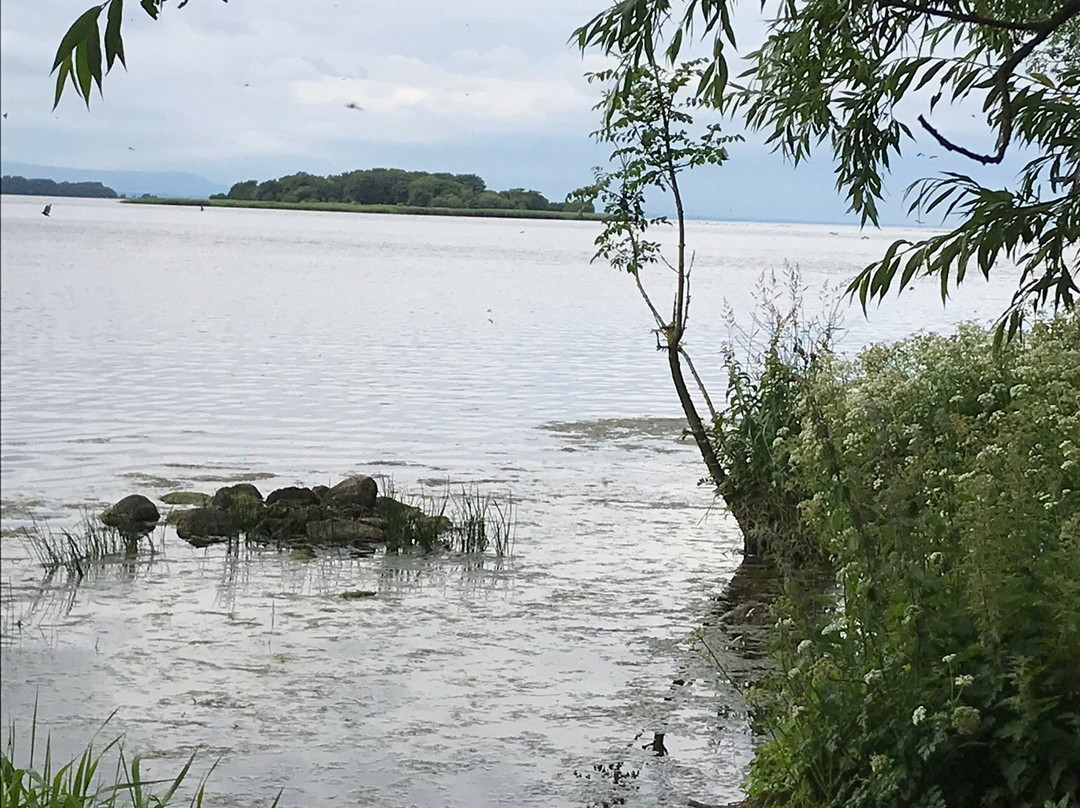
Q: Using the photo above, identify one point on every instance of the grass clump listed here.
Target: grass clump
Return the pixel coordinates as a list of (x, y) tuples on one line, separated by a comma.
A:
[(469, 521), (482, 522), (80, 783), (76, 550), (946, 492)]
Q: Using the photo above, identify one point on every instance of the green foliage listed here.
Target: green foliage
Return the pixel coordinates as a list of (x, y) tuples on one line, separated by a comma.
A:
[(78, 57), (649, 129), (947, 491), (852, 76), (770, 365), (44, 187), (78, 784), (391, 186)]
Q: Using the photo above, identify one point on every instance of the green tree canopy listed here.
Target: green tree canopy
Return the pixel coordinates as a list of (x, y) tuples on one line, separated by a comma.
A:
[(843, 75)]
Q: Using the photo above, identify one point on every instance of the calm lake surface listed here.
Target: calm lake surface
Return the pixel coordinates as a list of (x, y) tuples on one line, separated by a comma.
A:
[(149, 349)]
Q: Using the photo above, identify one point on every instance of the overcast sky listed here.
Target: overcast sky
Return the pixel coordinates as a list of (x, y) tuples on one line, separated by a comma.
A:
[(259, 89)]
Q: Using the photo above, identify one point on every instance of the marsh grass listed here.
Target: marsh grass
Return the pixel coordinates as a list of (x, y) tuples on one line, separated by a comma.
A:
[(80, 783), (482, 522), (467, 521), (90, 542)]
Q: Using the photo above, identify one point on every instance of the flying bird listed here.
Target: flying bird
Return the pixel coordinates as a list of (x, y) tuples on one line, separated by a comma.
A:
[(354, 105), (45, 211)]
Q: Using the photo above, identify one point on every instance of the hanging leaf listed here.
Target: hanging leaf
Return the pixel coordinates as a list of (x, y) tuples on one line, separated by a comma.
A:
[(114, 44)]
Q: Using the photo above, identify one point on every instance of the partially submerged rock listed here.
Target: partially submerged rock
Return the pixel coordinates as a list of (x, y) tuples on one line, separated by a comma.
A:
[(186, 498), (134, 514), (357, 594), (355, 494), (293, 496), (228, 496), (350, 514), (365, 531), (202, 524), (242, 503)]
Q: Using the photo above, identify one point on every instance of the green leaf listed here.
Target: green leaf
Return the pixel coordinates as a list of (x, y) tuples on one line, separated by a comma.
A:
[(76, 34), (93, 55), (114, 43), (82, 73), (61, 78), (151, 7)]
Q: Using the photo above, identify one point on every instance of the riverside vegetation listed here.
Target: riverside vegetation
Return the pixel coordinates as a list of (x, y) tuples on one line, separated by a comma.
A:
[(78, 783), (942, 481)]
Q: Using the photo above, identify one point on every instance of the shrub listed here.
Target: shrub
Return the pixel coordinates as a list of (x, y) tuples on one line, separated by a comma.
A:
[(769, 365), (946, 484)]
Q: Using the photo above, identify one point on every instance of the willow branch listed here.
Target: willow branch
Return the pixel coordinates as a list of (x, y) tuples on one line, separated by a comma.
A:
[(962, 16), (1001, 82)]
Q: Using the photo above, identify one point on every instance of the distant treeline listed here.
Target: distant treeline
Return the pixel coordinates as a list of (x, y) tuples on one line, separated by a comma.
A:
[(395, 186), (43, 187)]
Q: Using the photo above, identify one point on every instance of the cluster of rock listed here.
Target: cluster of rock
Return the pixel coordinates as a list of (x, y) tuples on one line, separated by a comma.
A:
[(350, 513)]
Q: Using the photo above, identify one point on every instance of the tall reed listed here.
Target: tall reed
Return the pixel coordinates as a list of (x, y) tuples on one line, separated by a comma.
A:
[(90, 542), (78, 783)]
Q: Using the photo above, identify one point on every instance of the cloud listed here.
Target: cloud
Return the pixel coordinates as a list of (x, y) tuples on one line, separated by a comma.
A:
[(405, 99), (217, 83)]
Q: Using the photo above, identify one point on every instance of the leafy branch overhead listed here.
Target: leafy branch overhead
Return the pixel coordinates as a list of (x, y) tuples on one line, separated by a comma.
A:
[(844, 76), (79, 56)]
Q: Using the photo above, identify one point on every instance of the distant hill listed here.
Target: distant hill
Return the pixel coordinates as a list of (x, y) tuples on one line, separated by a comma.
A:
[(44, 187), (126, 183)]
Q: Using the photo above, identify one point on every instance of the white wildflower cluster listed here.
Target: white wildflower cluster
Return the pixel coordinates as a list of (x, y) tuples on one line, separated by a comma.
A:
[(805, 647), (873, 676), (963, 680), (948, 659), (919, 715), (835, 627)]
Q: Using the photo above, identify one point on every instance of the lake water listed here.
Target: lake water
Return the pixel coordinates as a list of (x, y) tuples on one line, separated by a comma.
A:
[(148, 349)]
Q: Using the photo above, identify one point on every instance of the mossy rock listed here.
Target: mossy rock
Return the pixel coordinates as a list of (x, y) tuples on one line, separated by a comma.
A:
[(204, 523), (243, 503), (186, 498)]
